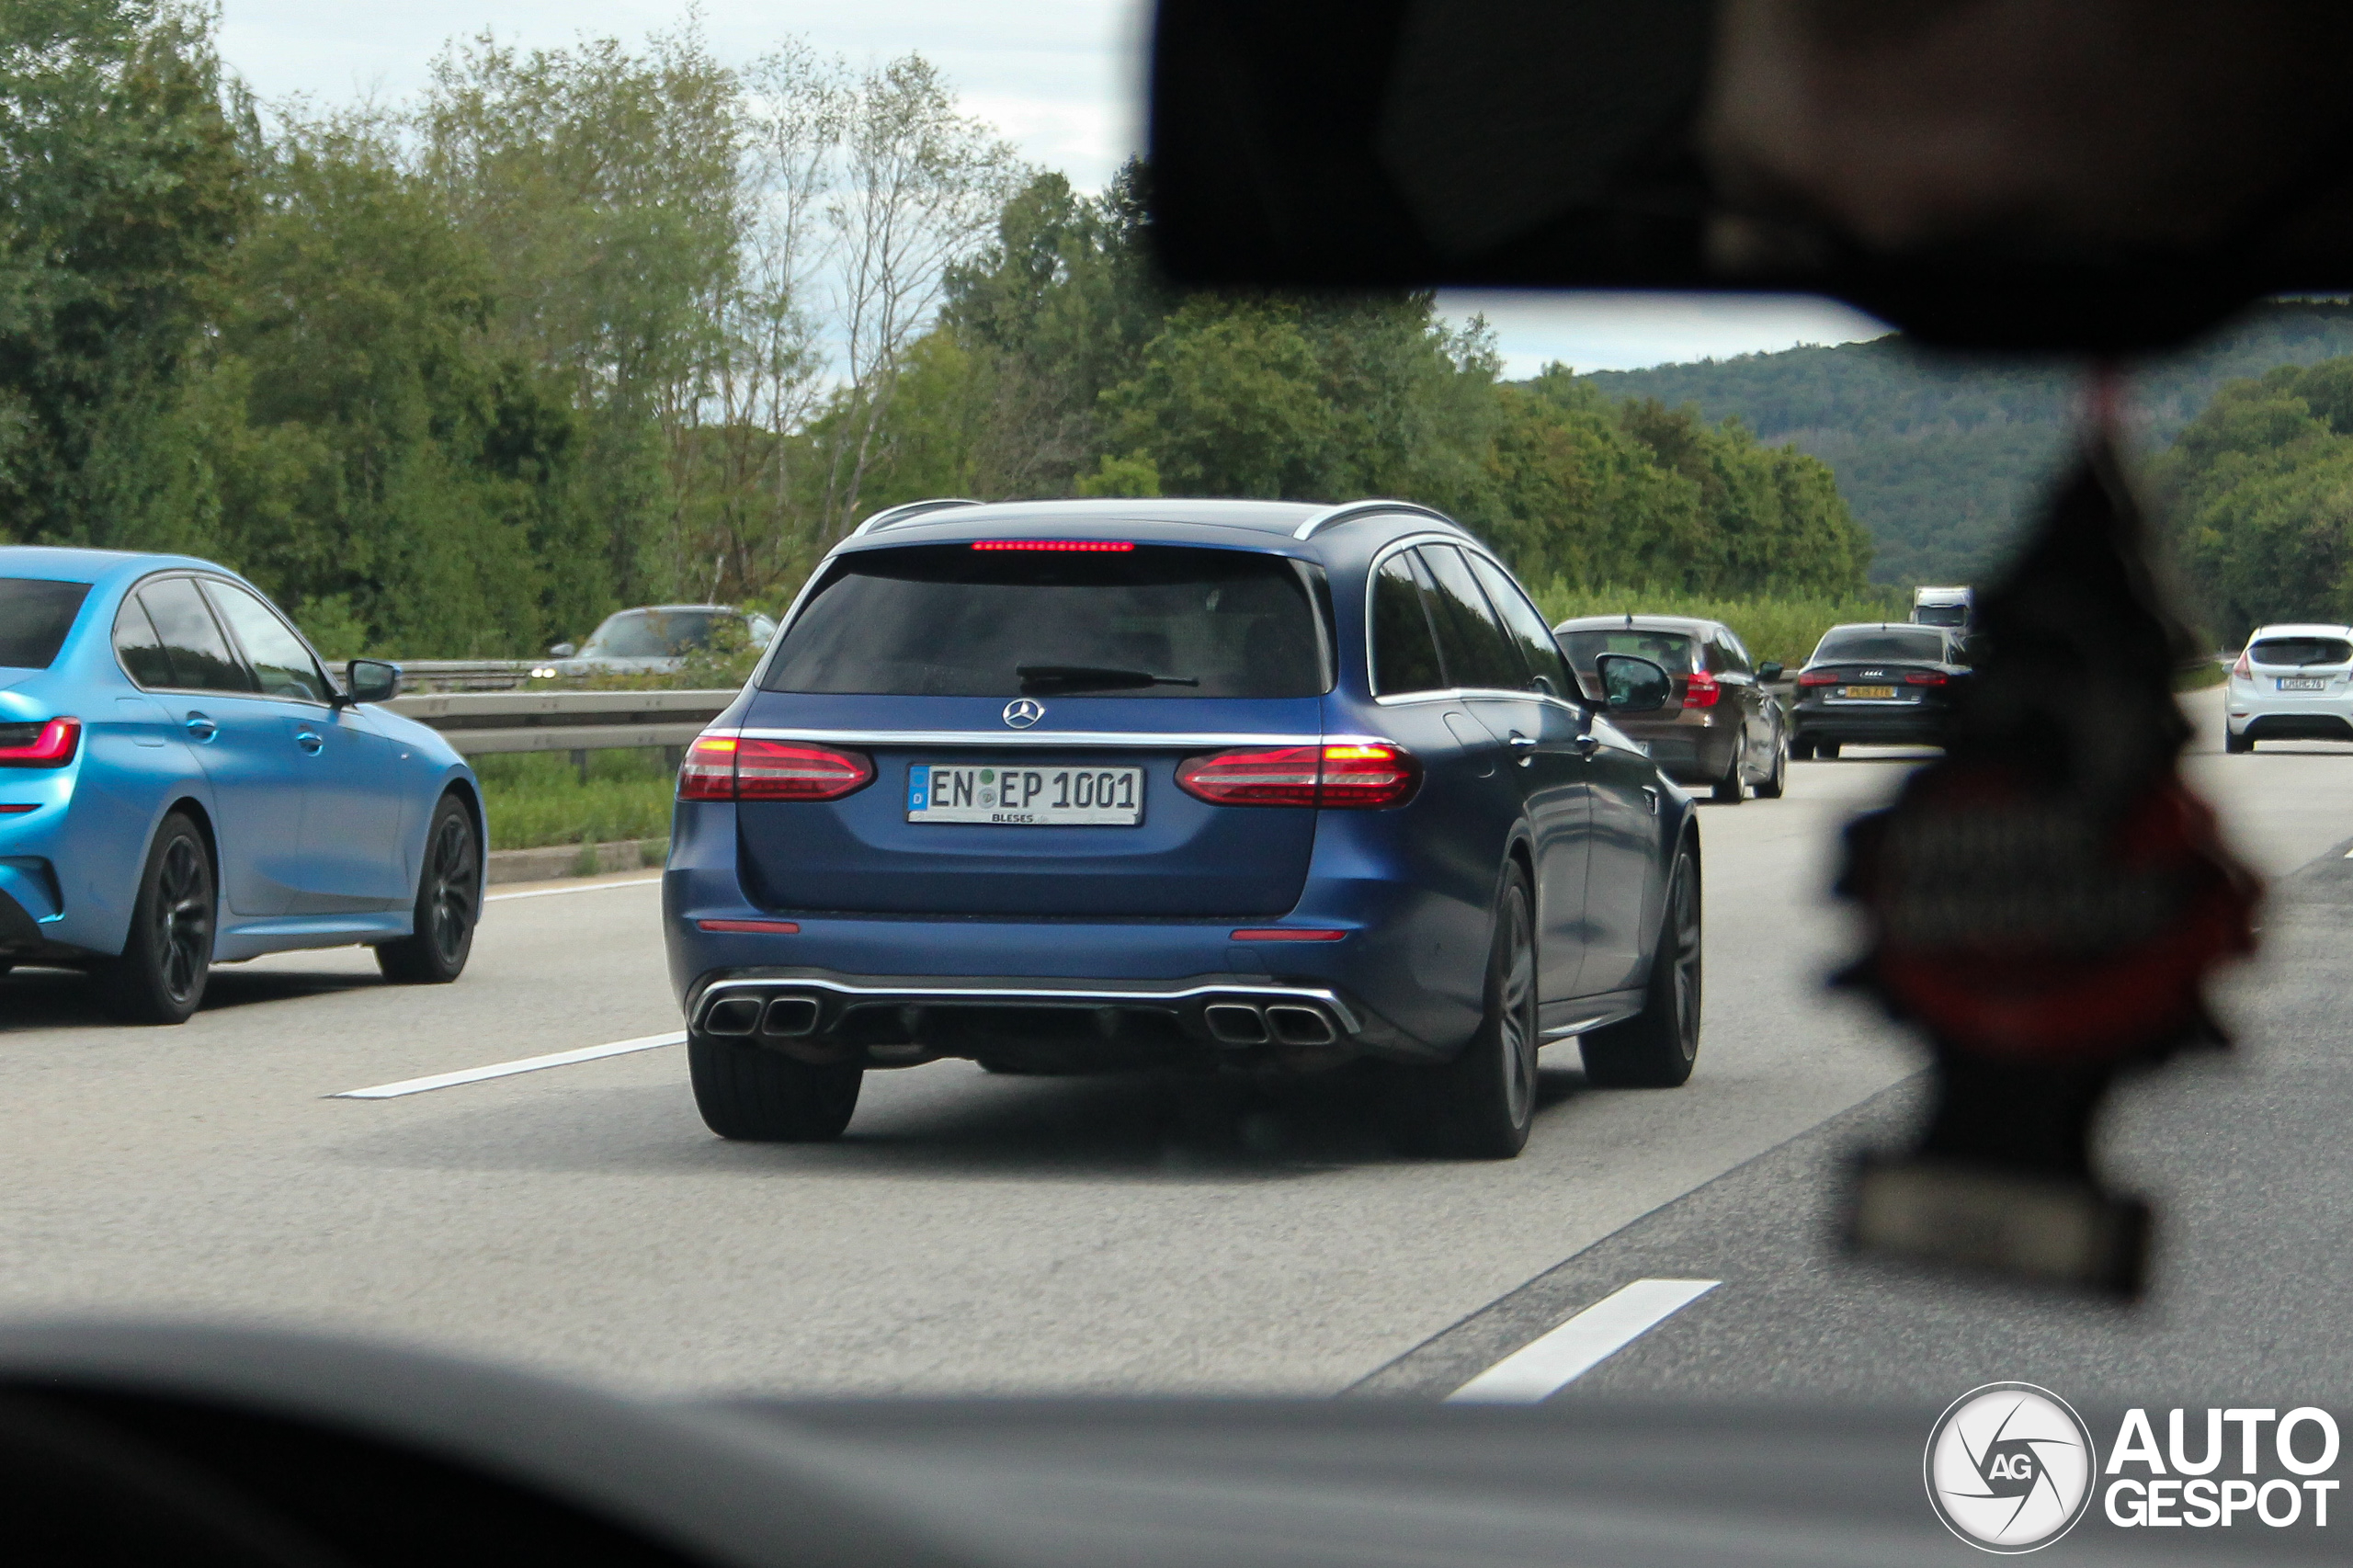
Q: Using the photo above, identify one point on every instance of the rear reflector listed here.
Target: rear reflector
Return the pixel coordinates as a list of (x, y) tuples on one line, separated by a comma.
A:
[(15, 810), (1286, 934), (1079, 544), (42, 744), (1346, 776), (735, 768), (1816, 677), (1925, 678), (764, 927)]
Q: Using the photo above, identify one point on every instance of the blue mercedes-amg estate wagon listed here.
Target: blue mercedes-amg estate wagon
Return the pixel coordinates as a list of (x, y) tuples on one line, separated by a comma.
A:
[(1068, 786)]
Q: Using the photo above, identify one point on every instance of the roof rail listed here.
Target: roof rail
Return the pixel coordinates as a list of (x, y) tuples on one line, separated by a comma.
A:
[(891, 517), (1349, 510)]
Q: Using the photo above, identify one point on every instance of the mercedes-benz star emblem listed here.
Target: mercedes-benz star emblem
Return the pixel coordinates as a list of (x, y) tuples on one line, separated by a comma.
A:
[(1022, 713), (2010, 1467)]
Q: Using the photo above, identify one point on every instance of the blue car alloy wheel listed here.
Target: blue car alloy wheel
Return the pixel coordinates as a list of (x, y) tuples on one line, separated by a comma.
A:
[(174, 751), (1193, 786)]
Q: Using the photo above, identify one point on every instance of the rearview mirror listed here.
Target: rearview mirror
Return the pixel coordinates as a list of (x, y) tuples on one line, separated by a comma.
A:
[(1768, 672), (2066, 177), (1630, 683), (371, 680), (564, 650)]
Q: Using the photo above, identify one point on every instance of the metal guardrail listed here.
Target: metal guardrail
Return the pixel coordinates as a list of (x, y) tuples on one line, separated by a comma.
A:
[(482, 722)]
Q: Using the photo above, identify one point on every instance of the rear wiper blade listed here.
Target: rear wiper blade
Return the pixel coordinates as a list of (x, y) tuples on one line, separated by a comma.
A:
[(1076, 678)]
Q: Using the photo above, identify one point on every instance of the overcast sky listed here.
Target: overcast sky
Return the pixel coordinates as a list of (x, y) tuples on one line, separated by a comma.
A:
[(1059, 77)]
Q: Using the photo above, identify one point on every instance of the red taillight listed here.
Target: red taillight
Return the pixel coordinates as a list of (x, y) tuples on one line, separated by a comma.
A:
[(1285, 933), (1701, 692), (735, 768), (1081, 544), (1816, 677), (50, 744), (1925, 678), (2242, 670), (1346, 775), (756, 928)]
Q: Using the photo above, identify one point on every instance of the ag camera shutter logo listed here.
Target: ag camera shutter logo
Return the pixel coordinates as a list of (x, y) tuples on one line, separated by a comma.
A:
[(2010, 1467)]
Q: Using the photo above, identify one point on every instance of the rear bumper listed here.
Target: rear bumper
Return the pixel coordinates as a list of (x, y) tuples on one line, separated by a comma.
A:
[(2308, 725), (1906, 724)]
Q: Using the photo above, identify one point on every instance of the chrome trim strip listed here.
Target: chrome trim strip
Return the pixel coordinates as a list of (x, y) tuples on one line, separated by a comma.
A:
[(1347, 509), (1063, 740), (1030, 997)]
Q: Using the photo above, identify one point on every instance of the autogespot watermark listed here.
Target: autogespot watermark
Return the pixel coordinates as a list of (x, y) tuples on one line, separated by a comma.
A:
[(2011, 1468)]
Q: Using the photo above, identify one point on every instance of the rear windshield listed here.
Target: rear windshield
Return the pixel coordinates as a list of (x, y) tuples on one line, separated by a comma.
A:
[(653, 634), (1861, 644), (35, 616), (1671, 651), (1941, 615), (951, 621), (2300, 651)]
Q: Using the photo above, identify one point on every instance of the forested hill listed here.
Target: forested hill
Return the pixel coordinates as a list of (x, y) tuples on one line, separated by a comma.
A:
[(1939, 459)]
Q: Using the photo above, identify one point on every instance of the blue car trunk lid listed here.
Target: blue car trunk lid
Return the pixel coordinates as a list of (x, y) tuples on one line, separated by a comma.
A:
[(1184, 858)]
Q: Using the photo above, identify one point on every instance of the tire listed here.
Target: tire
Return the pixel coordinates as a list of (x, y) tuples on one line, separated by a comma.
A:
[(1800, 749), (2237, 746), (1732, 787), (1771, 787), (1656, 1050), (448, 904), (167, 956), (1480, 1105), (1826, 750), (756, 1096)]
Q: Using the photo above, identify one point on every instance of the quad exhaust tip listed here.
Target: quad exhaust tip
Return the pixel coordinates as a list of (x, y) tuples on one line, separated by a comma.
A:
[(1297, 1024), (1232, 1023), (1283, 1023)]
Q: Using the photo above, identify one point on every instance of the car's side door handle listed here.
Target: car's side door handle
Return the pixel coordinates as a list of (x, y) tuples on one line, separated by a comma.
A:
[(1588, 743), (310, 740), (202, 728)]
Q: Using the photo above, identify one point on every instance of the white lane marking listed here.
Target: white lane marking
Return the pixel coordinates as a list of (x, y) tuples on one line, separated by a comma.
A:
[(508, 1069), (1539, 1371), (586, 887)]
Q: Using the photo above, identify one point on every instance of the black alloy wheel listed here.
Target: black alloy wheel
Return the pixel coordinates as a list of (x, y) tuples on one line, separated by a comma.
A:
[(167, 955), (1480, 1105), (1732, 787), (1771, 785), (1656, 1050), (448, 904)]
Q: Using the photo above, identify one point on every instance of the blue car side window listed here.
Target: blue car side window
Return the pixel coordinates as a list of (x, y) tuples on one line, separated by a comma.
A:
[(198, 655), (139, 647), (279, 658)]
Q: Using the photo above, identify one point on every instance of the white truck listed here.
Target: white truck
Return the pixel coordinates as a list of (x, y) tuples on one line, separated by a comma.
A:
[(1943, 607)]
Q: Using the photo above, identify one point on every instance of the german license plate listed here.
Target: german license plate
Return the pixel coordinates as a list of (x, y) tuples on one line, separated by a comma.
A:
[(1881, 693), (2301, 683), (1025, 797)]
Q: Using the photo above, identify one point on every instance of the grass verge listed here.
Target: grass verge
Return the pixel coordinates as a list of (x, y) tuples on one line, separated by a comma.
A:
[(539, 798)]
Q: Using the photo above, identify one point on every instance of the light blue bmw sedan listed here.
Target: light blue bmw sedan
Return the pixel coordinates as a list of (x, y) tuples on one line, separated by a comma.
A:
[(182, 783)]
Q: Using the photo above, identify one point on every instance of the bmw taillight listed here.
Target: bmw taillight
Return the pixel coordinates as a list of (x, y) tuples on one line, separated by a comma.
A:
[(738, 767), (48, 744), (1703, 691), (1344, 775), (2242, 670), (1924, 678), (1816, 677)]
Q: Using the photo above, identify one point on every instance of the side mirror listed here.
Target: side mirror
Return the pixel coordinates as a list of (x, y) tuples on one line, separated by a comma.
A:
[(564, 650), (1632, 685), (1768, 672), (371, 680)]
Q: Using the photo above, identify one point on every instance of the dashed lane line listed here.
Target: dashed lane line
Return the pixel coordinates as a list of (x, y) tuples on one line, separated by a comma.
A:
[(508, 1069), (584, 887), (1539, 1371)]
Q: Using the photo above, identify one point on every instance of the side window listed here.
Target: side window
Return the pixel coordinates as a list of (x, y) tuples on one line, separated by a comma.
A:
[(138, 646), (197, 653), (1546, 670), (279, 660), (1734, 656), (1478, 652), (1404, 653)]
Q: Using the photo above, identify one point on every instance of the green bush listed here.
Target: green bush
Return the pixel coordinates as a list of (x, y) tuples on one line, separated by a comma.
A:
[(1778, 630), (539, 798)]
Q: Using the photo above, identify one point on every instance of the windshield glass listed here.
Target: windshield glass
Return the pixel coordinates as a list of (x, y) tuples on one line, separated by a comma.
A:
[(1941, 615), (1671, 651), (1862, 644), (35, 616), (1153, 621), (2300, 651), (653, 634)]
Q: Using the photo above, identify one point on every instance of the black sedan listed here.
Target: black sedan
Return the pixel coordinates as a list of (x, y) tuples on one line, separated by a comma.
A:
[(1887, 685)]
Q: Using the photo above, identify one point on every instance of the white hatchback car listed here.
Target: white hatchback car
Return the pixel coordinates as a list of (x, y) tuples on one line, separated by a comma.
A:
[(2292, 683)]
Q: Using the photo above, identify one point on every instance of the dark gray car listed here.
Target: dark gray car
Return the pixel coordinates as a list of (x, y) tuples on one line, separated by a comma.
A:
[(1721, 728)]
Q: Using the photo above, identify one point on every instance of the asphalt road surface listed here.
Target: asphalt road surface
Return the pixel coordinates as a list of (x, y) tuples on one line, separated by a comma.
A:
[(975, 1232)]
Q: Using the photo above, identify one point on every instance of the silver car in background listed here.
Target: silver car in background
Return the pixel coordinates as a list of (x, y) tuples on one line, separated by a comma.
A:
[(654, 640)]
